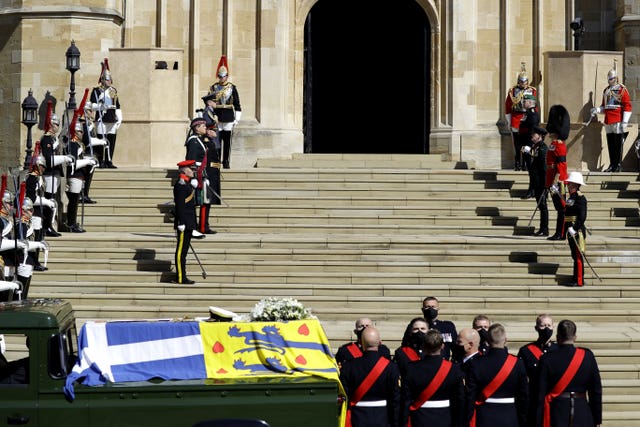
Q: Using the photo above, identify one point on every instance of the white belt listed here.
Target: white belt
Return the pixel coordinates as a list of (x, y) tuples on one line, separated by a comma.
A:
[(435, 404), (372, 403), (500, 400)]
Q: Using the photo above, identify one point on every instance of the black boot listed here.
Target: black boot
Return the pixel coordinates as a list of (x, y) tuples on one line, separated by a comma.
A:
[(85, 189), (72, 209)]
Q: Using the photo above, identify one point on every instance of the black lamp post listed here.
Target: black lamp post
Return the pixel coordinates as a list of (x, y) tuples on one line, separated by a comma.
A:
[(29, 118), (73, 65)]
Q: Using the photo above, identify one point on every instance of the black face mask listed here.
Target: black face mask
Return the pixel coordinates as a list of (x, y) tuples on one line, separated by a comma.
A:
[(429, 313), (416, 340), (457, 353), (544, 334), (484, 334), (359, 333)]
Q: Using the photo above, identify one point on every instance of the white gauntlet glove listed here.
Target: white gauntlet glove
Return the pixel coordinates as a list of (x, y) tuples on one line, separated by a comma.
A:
[(194, 182), (36, 245), (181, 227), (554, 189), (596, 110), (526, 149), (571, 231)]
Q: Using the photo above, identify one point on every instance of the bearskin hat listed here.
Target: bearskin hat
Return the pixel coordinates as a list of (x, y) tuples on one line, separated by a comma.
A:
[(558, 121)]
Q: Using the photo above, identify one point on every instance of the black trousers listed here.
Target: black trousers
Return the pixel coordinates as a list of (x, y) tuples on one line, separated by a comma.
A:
[(225, 141), (182, 248)]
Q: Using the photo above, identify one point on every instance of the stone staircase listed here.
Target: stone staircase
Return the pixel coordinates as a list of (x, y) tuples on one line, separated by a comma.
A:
[(366, 235)]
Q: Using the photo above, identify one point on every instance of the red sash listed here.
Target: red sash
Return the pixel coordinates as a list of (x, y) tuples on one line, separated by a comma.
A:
[(433, 386), (563, 382), (366, 384), (495, 384), (354, 350), (535, 350), (411, 353)]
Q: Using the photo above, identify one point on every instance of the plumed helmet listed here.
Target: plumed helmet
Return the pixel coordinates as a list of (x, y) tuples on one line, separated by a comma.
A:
[(559, 122), (55, 119), (105, 73), (223, 67), (27, 204), (40, 161), (522, 75), (575, 177), (613, 73), (7, 198), (79, 126)]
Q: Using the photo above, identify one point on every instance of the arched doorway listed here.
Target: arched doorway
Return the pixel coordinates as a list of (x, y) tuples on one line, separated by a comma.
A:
[(367, 77)]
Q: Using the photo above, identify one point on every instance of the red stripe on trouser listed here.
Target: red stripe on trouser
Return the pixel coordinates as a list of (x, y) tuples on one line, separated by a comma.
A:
[(203, 215), (579, 268)]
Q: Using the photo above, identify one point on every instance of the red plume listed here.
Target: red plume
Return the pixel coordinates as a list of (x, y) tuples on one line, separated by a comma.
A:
[(47, 118), (23, 193), (3, 187), (101, 72), (222, 63), (36, 153), (80, 109)]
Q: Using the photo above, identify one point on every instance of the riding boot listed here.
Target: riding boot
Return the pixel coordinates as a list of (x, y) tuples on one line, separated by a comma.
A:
[(72, 208), (611, 143)]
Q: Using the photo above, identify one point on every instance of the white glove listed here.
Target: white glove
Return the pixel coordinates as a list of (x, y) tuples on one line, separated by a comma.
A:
[(194, 182), (596, 110), (181, 227), (69, 159), (624, 126), (22, 244), (206, 181), (235, 122), (526, 149), (571, 231), (554, 189), (36, 245)]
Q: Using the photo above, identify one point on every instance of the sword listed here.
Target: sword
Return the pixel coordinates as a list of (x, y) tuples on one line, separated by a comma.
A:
[(218, 196), (543, 195), (583, 256)]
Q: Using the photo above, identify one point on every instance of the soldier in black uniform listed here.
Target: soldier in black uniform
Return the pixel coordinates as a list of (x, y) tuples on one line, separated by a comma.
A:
[(410, 349), (466, 348), (527, 123), (575, 214), (444, 407), (481, 323), (530, 354), (108, 115), (227, 108), (379, 404), (497, 388), (576, 400), (198, 150), (538, 172), (353, 349), (430, 309), (55, 162), (184, 218), (76, 173)]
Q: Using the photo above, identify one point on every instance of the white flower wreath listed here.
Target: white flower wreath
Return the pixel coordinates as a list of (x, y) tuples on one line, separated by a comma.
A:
[(274, 309)]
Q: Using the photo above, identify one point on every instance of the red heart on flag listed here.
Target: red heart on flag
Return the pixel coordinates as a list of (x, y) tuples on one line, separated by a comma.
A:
[(300, 360), (303, 329), (217, 347)]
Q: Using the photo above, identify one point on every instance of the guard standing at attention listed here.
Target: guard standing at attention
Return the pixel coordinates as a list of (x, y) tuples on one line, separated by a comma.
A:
[(558, 127), (575, 214), (227, 108), (515, 111), (184, 199), (570, 388)]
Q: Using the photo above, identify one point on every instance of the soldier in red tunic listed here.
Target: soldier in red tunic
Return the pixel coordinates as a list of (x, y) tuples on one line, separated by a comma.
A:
[(616, 106), (558, 127)]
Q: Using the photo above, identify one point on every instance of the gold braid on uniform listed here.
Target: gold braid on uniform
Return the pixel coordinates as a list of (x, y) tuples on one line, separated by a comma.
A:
[(227, 92)]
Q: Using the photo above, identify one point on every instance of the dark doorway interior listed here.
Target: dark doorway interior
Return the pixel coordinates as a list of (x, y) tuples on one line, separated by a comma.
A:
[(367, 77)]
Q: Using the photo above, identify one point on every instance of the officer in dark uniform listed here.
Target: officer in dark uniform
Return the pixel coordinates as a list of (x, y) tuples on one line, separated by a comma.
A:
[(410, 349), (527, 123), (497, 388), (466, 348), (575, 214), (227, 108), (445, 406), (212, 169), (538, 172), (184, 218), (197, 151), (377, 405), (530, 354), (354, 349), (569, 386), (76, 173), (54, 164), (430, 309), (106, 104)]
